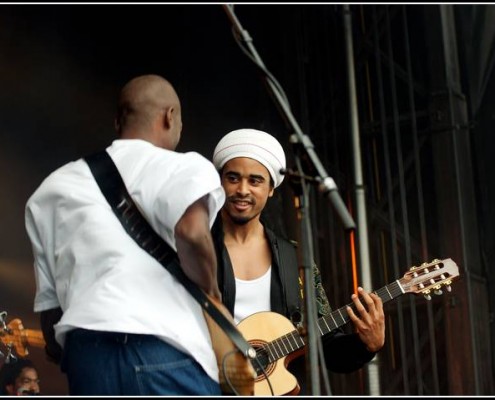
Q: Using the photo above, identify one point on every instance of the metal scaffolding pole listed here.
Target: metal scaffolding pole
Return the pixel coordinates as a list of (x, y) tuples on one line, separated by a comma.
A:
[(362, 228)]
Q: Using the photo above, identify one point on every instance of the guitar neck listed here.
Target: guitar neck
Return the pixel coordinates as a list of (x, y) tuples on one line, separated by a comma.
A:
[(426, 278), (34, 338), (293, 341), (339, 317)]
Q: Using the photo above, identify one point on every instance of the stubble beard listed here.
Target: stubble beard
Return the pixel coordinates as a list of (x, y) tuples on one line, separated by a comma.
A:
[(236, 218), (241, 219)]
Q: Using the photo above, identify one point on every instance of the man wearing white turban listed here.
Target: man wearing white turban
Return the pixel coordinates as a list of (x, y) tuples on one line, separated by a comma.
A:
[(258, 270)]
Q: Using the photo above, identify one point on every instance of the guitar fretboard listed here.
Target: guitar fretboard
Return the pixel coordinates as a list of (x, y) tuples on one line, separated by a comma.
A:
[(293, 341), (34, 337)]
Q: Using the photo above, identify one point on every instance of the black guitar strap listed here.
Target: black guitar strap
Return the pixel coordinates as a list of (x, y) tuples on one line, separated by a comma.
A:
[(113, 187)]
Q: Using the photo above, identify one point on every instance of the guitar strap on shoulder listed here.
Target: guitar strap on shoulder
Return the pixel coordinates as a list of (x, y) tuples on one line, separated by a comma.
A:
[(113, 187)]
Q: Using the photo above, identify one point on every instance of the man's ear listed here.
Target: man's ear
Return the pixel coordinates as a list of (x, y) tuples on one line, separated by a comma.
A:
[(168, 118), (272, 191), (116, 125)]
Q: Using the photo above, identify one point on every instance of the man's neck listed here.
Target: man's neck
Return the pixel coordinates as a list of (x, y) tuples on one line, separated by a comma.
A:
[(242, 233)]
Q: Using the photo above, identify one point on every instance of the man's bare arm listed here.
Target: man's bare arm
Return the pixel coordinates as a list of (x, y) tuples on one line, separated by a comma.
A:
[(195, 247)]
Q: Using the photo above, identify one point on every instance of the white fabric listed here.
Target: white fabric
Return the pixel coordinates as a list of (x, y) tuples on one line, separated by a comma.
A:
[(255, 144), (252, 296), (95, 271)]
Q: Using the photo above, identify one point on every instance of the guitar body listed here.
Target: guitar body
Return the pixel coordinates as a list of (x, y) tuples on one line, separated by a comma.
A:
[(260, 329)]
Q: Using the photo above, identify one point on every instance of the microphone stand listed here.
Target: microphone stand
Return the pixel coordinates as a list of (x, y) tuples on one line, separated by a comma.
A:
[(326, 186), (299, 183)]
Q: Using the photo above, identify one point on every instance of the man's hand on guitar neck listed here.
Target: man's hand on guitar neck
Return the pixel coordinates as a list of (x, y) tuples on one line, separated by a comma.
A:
[(369, 321)]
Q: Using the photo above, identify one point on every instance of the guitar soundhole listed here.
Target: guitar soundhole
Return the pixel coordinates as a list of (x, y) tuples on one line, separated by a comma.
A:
[(261, 364)]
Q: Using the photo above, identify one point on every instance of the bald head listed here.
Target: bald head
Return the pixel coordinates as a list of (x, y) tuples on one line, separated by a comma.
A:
[(149, 109)]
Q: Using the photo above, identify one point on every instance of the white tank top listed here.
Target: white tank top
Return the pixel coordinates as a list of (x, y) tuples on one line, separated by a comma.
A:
[(252, 296)]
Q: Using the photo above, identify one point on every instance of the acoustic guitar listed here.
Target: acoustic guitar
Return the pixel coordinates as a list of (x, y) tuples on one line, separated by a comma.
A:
[(13, 335), (277, 342)]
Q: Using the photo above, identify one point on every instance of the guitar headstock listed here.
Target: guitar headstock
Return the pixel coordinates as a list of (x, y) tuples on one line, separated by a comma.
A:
[(430, 277), (12, 336)]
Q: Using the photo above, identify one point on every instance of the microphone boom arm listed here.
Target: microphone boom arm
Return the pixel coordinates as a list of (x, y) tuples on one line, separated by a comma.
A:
[(327, 186)]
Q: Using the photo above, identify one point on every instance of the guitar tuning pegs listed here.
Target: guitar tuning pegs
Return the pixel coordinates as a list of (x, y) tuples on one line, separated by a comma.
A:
[(427, 296), (10, 358), (3, 316), (449, 288), (437, 290), (10, 355)]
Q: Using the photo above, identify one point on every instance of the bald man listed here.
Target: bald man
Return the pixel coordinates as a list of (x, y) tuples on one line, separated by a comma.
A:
[(114, 318)]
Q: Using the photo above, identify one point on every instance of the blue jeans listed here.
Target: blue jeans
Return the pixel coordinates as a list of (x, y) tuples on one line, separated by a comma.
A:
[(107, 363)]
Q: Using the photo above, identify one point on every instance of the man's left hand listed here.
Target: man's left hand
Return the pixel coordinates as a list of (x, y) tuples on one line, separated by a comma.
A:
[(369, 319)]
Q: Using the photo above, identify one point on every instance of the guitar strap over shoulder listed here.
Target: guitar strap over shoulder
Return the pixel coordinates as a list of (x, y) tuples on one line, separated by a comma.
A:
[(113, 187)]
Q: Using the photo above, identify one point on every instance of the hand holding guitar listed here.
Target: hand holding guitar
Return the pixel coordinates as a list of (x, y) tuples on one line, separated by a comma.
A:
[(369, 320)]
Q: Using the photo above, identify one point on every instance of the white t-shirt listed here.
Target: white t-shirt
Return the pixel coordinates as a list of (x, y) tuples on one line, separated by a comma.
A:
[(252, 296), (89, 266)]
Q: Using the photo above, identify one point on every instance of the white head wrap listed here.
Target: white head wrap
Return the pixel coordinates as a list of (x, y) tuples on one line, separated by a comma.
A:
[(251, 143)]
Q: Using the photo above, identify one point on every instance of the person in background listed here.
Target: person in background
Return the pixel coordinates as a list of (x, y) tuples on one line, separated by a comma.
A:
[(19, 377), (117, 321), (258, 269)]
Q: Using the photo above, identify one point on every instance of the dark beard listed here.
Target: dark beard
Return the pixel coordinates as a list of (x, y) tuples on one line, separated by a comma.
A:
[(240, 220)]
